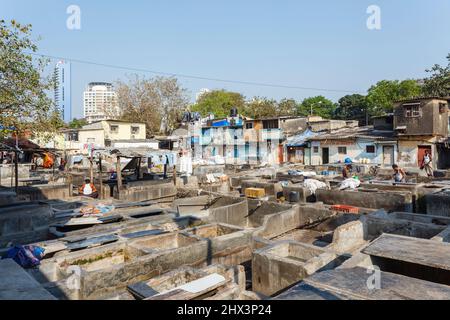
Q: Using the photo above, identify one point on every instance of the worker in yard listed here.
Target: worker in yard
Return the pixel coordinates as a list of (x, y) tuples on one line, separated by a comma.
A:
[(399, 174), (347, 171), (88, 189), (427, 163)]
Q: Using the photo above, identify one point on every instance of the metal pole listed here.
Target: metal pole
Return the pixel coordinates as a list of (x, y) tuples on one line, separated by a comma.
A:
[(101, 176), (16, 169), (175, 175), (119, 175), (138, 169)]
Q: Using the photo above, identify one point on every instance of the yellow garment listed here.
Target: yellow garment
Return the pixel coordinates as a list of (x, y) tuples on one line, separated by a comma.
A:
[(48, 161)]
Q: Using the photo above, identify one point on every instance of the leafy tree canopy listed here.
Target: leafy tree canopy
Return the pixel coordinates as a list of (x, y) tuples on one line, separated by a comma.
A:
[(321, 106), (438, 83), (352, 107), (287, 107), (261, 108), (219, 103), (381, 97), (24, 103), (77, 123)]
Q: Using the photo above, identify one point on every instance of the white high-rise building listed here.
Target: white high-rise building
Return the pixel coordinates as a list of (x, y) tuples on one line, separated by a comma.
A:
[(62, 90), (100, 102)]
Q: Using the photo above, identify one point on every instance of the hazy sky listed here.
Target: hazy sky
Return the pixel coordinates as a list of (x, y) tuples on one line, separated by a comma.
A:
[(320, 44)]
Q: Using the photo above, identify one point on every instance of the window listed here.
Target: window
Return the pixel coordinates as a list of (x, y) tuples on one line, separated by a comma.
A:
[(442, 107), (134, 130), (370, 149), (114, 128), (270, 124), (73, 136), (342, 150), (316, 150), (249, 125), (412, 110)]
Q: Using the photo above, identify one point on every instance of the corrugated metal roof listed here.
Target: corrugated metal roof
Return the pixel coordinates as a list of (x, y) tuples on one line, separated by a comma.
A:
[(354, 133), (300, 139), (135, 152)]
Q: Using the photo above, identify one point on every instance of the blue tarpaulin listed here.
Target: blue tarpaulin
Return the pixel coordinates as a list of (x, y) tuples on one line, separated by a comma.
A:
[(221, 123), (299, 140)]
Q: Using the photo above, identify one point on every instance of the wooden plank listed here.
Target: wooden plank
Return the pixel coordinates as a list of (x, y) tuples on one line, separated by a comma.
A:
[(78, 222), (418, 251), (92, 242), (193, 289), (141, 290)]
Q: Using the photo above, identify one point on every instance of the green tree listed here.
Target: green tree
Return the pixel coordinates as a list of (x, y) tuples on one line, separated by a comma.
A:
[(320, 105), (77, 123), (287, 107), (438, 83), (219, 103), (352, 107), (381, 97), (260, 108), (24, 103)]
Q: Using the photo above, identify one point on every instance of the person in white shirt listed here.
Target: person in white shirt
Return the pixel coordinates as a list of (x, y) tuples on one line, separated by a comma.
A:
[(88, 189), (427, 164)]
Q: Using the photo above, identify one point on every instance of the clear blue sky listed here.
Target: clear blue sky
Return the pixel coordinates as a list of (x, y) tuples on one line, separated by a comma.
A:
[(318, 43)]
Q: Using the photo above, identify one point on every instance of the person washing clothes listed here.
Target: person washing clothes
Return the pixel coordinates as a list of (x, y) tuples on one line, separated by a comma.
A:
[(88, 189), (427, 164), (399, 174), (347, 171)]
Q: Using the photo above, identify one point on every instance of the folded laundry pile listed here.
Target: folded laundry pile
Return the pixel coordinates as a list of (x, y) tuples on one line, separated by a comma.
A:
[(26, 256), (96, 210)]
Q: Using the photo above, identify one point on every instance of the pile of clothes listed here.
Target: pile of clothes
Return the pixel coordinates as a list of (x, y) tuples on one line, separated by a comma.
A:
[(352, 183), (305, 174), (26, 256), (97, 210), (312, 185)]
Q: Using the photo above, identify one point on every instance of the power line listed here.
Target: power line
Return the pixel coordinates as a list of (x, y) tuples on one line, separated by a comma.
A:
[(179, 75)]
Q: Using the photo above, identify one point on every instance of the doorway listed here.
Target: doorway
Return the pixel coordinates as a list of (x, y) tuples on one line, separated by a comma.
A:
[(280, 154), (326, 155), (421, 153), (388, 155)]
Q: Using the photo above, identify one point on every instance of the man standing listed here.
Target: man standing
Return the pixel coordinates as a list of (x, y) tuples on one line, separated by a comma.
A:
[(427, 163)]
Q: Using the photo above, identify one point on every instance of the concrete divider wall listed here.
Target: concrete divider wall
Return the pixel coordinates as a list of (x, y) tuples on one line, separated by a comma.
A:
[(98, 283), (374, 226), (297, 217), (438, 204), (46, 192), (7, 197), (390, 201), (24, 224), (146, 190), (304, 193), (235, 213), (419, 192), (279, 266), (348, 237)]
